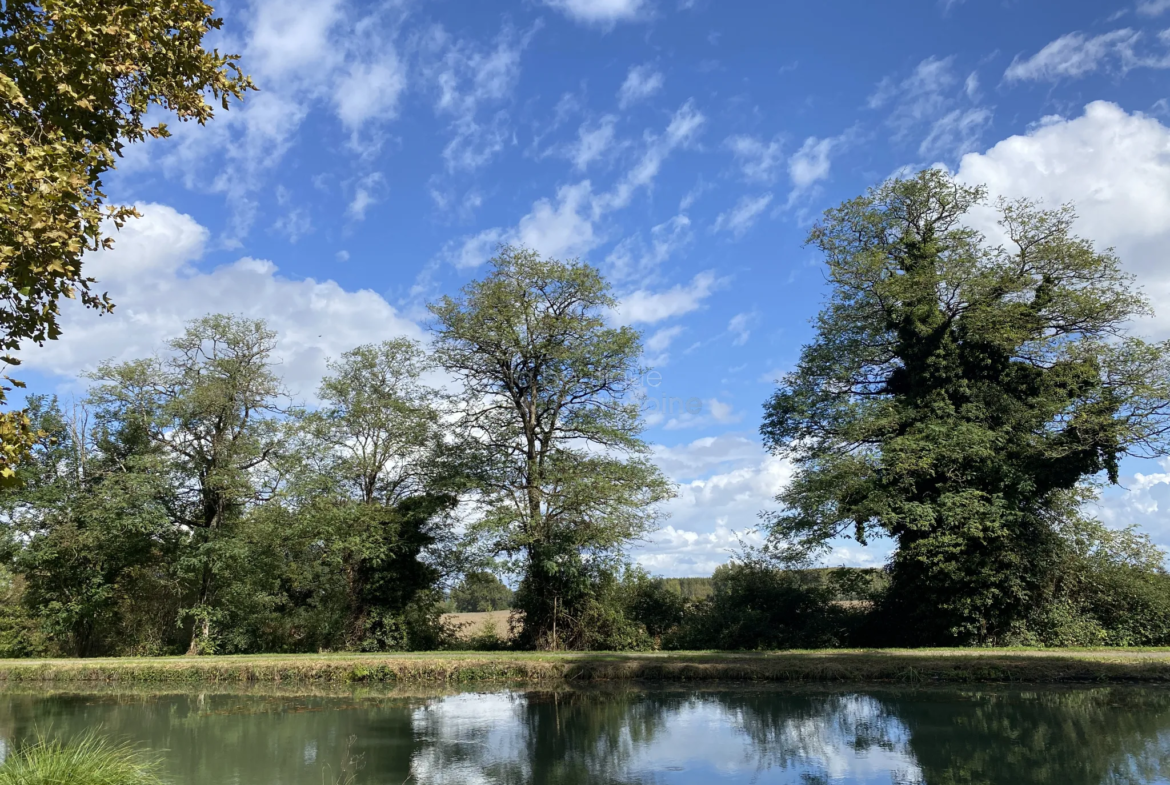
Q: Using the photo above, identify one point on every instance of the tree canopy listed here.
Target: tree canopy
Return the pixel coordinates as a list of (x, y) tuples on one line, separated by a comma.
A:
[(77, 80), (959, 395), (550, 413)]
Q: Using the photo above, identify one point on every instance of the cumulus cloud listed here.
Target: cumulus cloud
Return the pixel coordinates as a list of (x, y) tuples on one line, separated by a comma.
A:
[(1115, 166), (1143, 501), (641, 82), (562, 229), (743, 215), (154, 276), (724, 482), (646, 307), (603, 13), (1075, 55)]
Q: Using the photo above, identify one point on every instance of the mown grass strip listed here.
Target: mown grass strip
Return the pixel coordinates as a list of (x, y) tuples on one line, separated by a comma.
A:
[(901, 667)]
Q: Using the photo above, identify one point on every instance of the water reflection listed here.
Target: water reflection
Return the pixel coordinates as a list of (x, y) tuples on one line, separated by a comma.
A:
[(1100, 736)]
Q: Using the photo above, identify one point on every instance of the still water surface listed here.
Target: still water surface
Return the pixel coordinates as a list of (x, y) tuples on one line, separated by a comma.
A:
[(671, 736)]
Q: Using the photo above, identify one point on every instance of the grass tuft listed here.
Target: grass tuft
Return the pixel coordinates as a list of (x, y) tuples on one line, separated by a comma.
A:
[(88, 760)]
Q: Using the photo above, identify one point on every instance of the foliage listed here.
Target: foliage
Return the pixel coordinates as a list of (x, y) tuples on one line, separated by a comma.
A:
[(76, 81), (207, 405), (551, 428), (481, 591), (957, 397), (89, 514), (755, 606), (654, 604), (88, 760)]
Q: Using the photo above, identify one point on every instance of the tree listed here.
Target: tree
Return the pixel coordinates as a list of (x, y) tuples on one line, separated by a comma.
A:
[(481, 591), (958, 396), (91, 527), (209, 405), (550, 417), (77, 78), (371, 492)]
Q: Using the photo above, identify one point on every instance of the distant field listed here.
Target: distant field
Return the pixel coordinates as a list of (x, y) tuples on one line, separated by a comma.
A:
[(472, 623)]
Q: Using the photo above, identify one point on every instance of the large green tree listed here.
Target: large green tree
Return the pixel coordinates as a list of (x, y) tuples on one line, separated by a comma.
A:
[(550, 415), (209, 404), (77, 78), (958, 396), (367, 500)]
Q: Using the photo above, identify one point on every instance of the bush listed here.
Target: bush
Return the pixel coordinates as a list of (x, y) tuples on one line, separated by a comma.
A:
[(89, 760), (755, 606)]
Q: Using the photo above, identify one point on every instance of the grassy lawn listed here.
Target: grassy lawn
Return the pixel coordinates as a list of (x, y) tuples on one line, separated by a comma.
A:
[(447, 667)]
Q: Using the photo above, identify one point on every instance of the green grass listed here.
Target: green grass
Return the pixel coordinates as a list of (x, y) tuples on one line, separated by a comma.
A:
[(455, 668), (89, 760)]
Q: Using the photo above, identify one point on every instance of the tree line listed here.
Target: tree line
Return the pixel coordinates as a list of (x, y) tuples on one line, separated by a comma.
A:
[(962, 399)]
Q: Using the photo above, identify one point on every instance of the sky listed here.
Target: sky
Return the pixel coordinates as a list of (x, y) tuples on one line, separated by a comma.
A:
[(685, 147)]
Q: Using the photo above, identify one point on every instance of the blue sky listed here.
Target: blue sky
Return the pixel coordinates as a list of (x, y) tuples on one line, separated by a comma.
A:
[(683, 146)]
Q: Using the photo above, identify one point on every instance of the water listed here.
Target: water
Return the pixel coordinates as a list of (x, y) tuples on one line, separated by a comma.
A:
[(660, 735)]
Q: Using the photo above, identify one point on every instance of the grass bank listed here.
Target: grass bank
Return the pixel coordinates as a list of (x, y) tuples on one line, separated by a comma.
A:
[(837, 666)]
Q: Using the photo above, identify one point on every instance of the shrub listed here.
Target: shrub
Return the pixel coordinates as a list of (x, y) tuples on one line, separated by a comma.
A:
[(90, 760), (753, 605)]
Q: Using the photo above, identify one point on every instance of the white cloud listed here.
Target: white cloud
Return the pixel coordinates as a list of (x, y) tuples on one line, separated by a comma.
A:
[(712, 511), (743, 215), (684, 126), (1144, 501), (559, 229), (471, 84), (153, 277), (645, 307), (812, 162), (956, 133), (1153, 7), (1074, 55), (641, 82), (566, 228), (562, 229), (303, 53), (759, 161), (632, 259), (741, 326), (604, 13), (294, 224), (932, 100), (1114, 166), (369, 191), (662, 339), (370, 90), (697, 413), (593, 142)]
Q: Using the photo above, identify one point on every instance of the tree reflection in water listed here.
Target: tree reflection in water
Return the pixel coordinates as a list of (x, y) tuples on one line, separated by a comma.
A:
[(635, 736)]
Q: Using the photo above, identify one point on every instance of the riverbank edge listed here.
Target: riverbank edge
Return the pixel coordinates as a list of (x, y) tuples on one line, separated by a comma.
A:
[(955, 666)]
